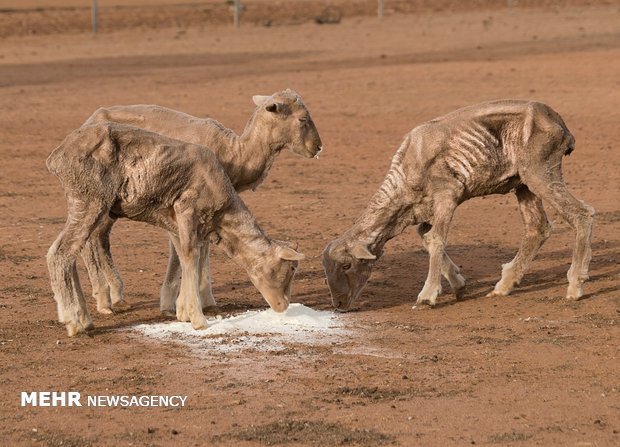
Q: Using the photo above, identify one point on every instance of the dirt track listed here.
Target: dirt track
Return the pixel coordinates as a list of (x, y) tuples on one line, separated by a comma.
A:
[(528, 369)]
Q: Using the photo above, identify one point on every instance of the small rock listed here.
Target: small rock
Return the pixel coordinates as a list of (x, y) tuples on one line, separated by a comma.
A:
[(329, 16)]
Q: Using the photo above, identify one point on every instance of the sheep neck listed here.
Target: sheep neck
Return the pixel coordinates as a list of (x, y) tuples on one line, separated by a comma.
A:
[(376, 226), (241, 237), (251, 155), (389, 212)]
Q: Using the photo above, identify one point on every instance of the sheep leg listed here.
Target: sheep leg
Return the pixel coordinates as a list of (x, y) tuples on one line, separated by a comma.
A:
[(83, 219), (548, 184), (99, 285), (113, 278), (206, 292), (106, 282), (189, 306), (170, 288), (537, 229), (449, 270), (435, 241), (172, 281)]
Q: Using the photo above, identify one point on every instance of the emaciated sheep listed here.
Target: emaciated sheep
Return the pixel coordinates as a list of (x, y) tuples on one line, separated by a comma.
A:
[(490, 148), (280, 121), (109, 169)]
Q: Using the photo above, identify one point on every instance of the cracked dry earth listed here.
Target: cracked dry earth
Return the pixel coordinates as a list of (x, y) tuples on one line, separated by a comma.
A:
[(527, 369)]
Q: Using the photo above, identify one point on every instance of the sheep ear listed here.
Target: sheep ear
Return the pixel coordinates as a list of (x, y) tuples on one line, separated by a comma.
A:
[(290, 244), (274, 107), (259, 100), (360, 251), (288, 254)]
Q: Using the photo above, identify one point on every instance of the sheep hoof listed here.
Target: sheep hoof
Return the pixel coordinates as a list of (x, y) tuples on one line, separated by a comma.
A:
[(574, 292), (574, 295), (105, 311), (121, 306), (207, 300), (496, 293), (428, 297), (168, 313), (206, 305), (74, 328), (420, 306), (419, 303), (199, 324), (182, 315), (459, 292)]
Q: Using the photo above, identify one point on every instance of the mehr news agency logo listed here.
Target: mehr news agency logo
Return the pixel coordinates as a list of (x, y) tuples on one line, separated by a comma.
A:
[(74, 399)]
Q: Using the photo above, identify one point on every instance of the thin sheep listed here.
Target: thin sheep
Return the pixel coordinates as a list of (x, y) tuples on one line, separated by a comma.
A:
[(490, 148), (280, 121), (109, 169)]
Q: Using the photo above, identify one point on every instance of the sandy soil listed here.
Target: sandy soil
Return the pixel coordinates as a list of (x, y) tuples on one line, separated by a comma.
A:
[(528, 369)]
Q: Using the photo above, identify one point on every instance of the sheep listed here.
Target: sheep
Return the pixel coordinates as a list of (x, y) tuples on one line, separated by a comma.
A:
[(110, 169), (280, 121), (490, 148)]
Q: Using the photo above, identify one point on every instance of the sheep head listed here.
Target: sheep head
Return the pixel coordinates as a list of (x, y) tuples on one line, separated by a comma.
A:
[(273, 275), (287, 121), (347, 267)]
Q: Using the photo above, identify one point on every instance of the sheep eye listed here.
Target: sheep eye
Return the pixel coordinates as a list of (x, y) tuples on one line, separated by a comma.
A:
[(346, 267)]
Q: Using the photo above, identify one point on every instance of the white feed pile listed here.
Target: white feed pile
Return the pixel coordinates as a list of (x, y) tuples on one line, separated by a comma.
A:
[(263, 330)]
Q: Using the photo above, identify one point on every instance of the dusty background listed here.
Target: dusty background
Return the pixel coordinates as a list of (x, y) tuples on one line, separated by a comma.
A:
[(529, 369)]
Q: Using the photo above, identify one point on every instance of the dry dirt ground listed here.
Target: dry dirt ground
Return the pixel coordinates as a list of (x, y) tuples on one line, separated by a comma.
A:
[(528, 369)]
